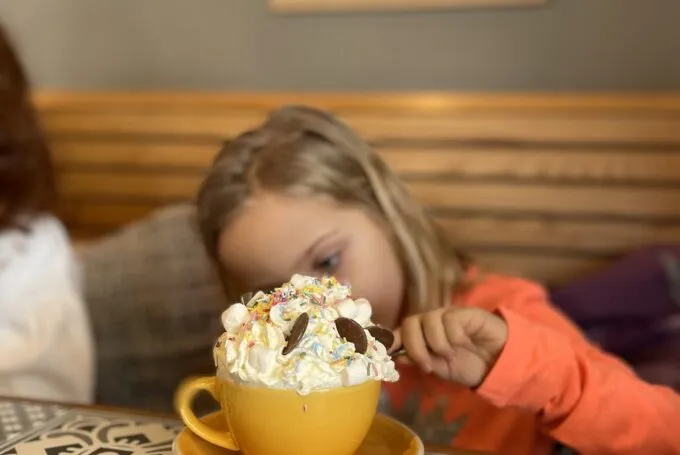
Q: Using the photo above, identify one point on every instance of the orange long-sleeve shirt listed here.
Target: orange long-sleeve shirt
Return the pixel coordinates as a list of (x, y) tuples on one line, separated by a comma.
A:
[(549, 384)]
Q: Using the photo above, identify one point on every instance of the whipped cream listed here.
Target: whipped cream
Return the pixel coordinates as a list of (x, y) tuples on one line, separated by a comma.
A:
[(251, 349)]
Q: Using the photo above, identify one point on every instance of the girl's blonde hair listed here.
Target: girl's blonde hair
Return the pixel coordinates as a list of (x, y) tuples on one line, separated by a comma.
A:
[(305, 151)]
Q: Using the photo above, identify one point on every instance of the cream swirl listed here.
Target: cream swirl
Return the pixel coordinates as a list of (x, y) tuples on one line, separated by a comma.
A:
[(251, 349)]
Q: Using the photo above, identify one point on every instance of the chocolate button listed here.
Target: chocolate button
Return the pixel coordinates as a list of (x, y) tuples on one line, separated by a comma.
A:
[(352, 331), (382, 335), (296, 333)]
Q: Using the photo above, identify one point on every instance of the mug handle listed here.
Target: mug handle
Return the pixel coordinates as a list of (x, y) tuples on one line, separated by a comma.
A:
[(184, 399)]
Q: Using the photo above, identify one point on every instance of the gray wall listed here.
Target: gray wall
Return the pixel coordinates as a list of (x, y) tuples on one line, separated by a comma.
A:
[(239, 44)]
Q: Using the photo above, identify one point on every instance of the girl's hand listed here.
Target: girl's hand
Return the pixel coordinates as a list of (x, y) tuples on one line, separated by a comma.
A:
[(456, 343)]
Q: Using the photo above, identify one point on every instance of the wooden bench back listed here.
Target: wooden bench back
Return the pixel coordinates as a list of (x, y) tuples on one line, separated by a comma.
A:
[(550, 187)]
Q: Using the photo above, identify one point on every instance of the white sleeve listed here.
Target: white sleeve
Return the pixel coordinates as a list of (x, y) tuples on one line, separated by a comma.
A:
[(39, 288), (24, 339)]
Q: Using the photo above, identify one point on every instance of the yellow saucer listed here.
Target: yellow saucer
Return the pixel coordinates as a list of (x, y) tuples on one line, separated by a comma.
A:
[(386, 437)]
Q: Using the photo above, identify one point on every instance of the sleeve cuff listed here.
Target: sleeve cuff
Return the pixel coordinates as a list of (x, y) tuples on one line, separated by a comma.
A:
[(524, 375)]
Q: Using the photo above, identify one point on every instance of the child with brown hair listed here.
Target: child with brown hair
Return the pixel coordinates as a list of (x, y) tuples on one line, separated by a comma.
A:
[(45, 342), (494, 366)]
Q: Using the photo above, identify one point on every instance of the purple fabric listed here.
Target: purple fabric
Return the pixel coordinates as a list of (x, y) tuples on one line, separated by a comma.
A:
[(660, 365), (635, 288), (632, 309)]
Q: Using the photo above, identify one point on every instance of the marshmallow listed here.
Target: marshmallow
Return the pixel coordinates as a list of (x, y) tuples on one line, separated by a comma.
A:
[(375, 349), (299, 281), (364, 312), (347, 309), (235, 316)]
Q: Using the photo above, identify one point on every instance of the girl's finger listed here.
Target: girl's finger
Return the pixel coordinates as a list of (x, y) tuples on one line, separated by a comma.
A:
[(397, 345), (435, 333), (397, 341), (455, 322), (414, 342)]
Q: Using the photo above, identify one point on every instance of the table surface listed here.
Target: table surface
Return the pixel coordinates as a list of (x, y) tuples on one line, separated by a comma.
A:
[(33, 427)]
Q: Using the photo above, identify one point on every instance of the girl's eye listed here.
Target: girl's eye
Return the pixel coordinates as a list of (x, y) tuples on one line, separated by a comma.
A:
[(328, 264)]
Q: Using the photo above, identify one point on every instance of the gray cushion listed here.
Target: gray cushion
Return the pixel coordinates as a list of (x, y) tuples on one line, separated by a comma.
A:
[(154, 301)]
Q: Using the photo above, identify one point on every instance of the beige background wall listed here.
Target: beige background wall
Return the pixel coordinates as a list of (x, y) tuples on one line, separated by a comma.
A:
[(239, 44)]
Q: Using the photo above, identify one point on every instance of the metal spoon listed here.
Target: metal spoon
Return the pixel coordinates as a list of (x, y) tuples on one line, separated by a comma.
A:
[(398, 353)]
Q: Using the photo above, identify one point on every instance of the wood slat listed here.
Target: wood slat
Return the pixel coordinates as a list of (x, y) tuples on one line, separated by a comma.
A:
[(390, 102), (133, 154), (316, 6), (568, 236), (103, 217), (189, 124), (382, 127), (640, 165), (545, 269), (562, 200), (539, 128), (158, 188)]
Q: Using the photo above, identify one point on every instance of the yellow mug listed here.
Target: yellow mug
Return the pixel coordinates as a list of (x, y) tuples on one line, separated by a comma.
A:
[(264, 421)]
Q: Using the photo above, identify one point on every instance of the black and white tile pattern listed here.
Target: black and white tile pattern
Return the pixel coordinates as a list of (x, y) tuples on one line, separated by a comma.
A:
[(18, 417), (30, 429)]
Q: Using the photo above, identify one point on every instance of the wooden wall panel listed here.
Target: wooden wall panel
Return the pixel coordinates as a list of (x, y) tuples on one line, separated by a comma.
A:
[(548, 186)]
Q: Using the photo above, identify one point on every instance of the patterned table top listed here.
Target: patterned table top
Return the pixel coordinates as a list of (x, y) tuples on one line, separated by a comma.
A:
[(29, 428), (19, 417)]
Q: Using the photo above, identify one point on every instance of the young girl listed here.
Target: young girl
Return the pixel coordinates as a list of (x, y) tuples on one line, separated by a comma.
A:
[(45, 344), (494, 366)]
